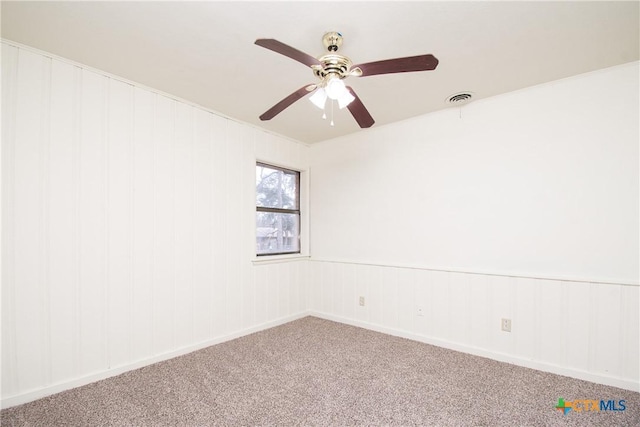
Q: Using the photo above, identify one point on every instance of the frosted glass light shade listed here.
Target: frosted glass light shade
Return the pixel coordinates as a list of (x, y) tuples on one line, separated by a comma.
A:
[(345, 99), (335, 88), (319, 98)]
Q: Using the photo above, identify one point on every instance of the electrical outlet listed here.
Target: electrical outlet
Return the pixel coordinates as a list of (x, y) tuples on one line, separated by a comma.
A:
[(506, 325), (419, 310), (362, 301)]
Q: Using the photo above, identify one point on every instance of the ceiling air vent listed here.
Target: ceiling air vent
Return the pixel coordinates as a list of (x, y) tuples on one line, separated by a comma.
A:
[(460, 98)]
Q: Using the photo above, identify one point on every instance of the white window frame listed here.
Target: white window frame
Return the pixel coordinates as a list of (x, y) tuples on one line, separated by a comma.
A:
[(304, 216)]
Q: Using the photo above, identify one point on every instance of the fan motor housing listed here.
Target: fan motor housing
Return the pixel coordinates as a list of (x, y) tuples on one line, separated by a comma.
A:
[(333, 64)]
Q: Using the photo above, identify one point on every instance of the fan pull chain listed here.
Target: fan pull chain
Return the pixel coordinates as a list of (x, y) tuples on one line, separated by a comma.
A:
[(332, 112)]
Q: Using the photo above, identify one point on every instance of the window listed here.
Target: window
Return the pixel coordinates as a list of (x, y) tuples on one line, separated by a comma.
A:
[(277, 210)]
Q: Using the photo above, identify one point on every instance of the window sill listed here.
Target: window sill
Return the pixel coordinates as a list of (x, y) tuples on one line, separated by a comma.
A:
[(271, 259)]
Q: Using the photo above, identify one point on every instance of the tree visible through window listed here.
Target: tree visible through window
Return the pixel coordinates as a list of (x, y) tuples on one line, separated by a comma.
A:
[(277, 210)]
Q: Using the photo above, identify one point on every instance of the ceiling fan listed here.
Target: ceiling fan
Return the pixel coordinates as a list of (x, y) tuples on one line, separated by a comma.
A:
[(332, 68)]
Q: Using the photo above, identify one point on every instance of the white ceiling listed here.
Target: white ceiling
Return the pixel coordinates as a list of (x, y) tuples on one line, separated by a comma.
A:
[(204, 52)]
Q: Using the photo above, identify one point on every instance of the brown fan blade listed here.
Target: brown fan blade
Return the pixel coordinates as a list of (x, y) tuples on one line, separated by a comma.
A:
[(287, 50), (359, 111), (398, 65), (277, 109)]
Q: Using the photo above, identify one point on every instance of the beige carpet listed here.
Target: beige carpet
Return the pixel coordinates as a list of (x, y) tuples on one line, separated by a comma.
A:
[(317, 372)]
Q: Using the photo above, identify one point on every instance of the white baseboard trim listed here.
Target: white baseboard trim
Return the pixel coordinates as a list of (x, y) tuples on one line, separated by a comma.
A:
[(39, 393), (623, 383)]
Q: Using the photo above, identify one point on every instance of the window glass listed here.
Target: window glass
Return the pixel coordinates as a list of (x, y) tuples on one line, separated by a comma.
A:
[(277, 233), (277, 210), (276, 188)]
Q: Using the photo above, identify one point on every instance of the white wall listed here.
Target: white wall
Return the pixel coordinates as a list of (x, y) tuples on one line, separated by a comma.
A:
[(522, 206), (128, 227), (543, 181)]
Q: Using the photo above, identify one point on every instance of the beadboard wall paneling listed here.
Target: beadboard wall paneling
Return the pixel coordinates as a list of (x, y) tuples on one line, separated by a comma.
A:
[(584, 330), (541, 182), (128, 230), (9, 92), (521, 206), (128, 227)]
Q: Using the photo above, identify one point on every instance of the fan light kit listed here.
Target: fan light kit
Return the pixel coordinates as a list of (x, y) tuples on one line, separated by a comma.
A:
[(331, 69)]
